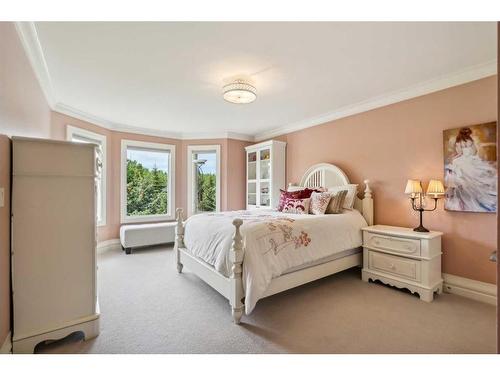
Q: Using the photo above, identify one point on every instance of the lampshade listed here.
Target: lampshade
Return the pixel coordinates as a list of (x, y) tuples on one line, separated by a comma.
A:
[(435, 188), (413, 187), (239, 92)]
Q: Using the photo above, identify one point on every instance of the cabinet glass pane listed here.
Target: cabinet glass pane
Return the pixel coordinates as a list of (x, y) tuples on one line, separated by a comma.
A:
[(252, 165), (252, 193), (265, 163), (265, 194)]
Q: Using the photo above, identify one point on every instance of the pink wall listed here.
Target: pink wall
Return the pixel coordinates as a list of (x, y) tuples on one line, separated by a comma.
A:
[(232, 155), (23, 111), (391, 144)]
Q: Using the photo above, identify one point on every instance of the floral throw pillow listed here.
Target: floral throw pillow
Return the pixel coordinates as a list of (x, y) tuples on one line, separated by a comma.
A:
[(319, 203), (297, 206)]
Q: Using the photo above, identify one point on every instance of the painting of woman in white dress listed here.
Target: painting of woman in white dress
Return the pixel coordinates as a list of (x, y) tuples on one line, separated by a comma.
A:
[(471, 168)]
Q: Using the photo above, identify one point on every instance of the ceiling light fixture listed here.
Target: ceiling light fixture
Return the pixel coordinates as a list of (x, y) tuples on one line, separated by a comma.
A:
[(239, 92)]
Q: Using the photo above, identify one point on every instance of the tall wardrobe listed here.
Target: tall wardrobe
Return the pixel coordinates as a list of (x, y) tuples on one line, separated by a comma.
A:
[(53, 241)]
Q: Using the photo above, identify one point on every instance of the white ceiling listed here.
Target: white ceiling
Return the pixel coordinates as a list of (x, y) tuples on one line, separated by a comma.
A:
[(167, 77)]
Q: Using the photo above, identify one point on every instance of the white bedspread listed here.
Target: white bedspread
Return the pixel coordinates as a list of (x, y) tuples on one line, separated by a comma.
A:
[(274, 242)]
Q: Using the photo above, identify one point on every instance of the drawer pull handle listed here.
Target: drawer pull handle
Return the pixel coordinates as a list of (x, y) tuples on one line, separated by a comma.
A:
[(392, 266), (408, 247)]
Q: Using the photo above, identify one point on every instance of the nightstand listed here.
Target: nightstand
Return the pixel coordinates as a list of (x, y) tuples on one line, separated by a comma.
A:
[(403, 258)]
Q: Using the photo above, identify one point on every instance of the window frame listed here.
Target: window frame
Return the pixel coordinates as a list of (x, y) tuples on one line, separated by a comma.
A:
[(170, 215), (102, 139), (191, 149)]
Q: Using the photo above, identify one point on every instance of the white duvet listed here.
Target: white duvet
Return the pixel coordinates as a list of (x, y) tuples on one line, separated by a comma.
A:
[(274, 242)]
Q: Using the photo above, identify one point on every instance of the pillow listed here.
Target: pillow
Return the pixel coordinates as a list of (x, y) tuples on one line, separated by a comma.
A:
[(319, 203), (296, 194), (284, 195), (297, 206), (352, 190), (336, 202)]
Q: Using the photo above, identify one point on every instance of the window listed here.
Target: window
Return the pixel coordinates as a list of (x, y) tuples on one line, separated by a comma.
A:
[(203, 179), (74, 134), (147, 181)]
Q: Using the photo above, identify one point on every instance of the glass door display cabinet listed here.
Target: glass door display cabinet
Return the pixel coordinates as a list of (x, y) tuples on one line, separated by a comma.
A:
[(265, 174)]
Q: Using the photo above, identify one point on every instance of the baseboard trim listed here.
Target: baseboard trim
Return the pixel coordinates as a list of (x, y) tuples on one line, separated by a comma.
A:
[(473, 289), (113, 244), (7, 344)]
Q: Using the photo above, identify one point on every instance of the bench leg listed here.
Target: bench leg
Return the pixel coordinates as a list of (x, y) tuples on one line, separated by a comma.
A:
[(128, 250)]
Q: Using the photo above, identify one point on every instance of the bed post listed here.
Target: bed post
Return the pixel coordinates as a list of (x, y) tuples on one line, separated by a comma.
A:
[(236, 258), (179, 238), (368, 204)]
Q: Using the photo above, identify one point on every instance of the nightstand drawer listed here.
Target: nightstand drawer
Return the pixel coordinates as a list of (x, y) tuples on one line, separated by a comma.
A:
[(403, 267), (405, 246)]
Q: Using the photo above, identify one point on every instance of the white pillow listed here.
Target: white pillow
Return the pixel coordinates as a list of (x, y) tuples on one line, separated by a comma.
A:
[(352, 190), (319, 202)]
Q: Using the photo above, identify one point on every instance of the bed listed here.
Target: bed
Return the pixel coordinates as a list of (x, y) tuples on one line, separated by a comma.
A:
[(250, 255)]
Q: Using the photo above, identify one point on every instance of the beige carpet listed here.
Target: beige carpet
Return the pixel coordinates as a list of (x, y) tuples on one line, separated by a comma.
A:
[(146, 307)]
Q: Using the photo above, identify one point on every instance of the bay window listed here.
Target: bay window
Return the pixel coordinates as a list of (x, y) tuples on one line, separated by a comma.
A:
[(147, 181), (203, 164)]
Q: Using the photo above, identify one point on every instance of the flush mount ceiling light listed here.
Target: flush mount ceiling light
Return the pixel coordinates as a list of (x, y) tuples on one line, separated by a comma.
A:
[(239, 92)]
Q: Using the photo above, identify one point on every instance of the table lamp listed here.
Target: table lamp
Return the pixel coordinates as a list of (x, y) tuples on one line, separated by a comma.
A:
[(435, 190)]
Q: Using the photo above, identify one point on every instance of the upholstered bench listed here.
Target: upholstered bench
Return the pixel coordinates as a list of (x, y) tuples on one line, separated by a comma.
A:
[(137, 235)]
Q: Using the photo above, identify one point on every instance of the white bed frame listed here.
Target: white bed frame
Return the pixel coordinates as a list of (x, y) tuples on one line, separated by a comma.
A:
[(325, 175)]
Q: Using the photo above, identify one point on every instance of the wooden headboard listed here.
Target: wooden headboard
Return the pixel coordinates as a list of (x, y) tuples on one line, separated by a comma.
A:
[(328, 175)]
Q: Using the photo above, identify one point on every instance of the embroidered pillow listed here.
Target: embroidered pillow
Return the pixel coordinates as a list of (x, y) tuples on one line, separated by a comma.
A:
[(297, 206), (352, 190), (284, 195), (319, 203), (296, 194), (336, 202)]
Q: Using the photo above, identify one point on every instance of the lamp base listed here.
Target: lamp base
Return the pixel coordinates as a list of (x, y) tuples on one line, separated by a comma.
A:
[(421, 228)]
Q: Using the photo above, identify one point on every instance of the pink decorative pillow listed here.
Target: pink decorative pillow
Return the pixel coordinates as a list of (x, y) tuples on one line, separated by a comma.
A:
[(297, 206), (297, 194), (319, 203)]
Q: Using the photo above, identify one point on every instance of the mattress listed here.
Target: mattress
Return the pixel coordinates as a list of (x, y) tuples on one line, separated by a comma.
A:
[(275, 243)]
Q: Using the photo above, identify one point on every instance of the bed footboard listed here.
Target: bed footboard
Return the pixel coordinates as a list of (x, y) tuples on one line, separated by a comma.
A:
[(230, 287)]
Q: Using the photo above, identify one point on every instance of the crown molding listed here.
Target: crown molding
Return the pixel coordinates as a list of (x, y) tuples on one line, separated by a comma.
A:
[(218, 135), (119, 127), (454, 79), (29, 39), (110, 125)]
